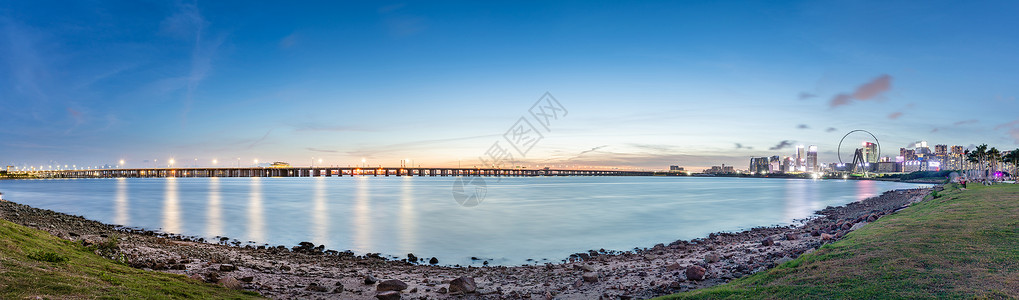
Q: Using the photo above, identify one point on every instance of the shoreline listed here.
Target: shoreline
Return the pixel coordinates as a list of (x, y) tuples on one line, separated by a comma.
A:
[(306, 271)]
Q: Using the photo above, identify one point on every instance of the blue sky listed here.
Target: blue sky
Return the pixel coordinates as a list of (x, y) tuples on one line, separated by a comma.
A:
[(645, 84)]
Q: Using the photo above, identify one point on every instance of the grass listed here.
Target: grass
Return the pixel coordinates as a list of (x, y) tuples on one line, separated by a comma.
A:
[(962, 244), (34, 263)]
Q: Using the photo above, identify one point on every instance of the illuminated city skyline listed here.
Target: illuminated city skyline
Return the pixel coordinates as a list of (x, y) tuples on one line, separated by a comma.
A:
[(647, 85)]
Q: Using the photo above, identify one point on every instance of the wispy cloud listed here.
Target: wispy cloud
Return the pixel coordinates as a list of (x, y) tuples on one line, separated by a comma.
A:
[(894, 115), (802, 126), (782, 145), (321, 150), (187, 22), (805, 96), (868, 91), (740, 146), (831, 129)]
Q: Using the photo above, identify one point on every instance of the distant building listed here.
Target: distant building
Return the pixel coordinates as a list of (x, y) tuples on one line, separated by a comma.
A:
[(774, 164), (787, 165), (812, 159), (958, 150), (941, 150), (720, 170), (759, 165), (887, 167), (676, 169), (800, 158), (870, 152), (280, 164)]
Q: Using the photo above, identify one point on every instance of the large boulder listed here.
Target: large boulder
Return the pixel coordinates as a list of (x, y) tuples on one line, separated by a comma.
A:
[(463, 284), (391, 285), (590, 277), (695, 272), (712, 258), (230, 283), (388, 295), (768, 242)]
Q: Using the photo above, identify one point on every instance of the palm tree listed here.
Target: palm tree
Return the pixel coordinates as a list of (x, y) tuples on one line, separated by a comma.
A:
[(978, 156), (1011, 158), (993, 157)]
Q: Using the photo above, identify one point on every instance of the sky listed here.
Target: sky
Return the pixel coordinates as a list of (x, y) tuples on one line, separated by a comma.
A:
[(444, 83)]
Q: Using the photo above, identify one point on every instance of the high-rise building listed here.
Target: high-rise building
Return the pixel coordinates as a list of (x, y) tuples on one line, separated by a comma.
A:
[(957, 150), (941, 150), (812, 159), (870, 152), (759, 165), (787, 164), (800, 158), (775, 164)]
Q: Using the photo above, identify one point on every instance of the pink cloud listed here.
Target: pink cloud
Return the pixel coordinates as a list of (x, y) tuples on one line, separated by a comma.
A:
[(895, 115), (867, 91), (873, 88), (841, 99)]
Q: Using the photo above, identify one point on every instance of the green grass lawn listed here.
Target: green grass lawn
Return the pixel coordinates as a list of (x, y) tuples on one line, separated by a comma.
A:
[(34, 263), (964, 244)]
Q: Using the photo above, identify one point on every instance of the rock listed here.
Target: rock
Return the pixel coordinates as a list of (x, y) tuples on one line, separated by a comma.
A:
[(712, 258), (673, 267), (316, 288), (463, 284), (695, 272), (338, 289), (846, 226), (590, 277), (411, 257), (792, 236), (227, 268), (370, 280), (247, 279), (585, 268), (857, 226), (768, 242), (872, 218), (827, 237), (441, 290), (391, 285), (413, 290), (230, 283), (388, 295), (196, 277), (433, 261), (815, 233)]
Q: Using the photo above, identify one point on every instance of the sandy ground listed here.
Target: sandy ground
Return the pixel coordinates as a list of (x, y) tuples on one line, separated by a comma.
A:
[(308, 272)]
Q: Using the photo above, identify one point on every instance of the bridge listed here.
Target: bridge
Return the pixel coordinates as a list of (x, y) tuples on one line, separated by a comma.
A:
[(324, 172)]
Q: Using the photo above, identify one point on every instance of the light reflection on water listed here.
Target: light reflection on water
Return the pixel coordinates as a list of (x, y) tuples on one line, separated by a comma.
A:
[(520, 218)]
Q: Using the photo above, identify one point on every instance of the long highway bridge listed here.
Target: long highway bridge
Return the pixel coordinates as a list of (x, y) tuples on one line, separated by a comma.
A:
[(324, 172)]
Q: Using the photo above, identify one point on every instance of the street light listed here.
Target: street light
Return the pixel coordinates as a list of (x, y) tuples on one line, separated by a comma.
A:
[(214, 161), (171, 162), (256, 162)]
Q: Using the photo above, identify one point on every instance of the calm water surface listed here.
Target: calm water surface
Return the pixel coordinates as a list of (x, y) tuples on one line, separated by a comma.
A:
[(520, 218)]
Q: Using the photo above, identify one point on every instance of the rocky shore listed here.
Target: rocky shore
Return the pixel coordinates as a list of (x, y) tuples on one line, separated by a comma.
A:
[(308, 271)]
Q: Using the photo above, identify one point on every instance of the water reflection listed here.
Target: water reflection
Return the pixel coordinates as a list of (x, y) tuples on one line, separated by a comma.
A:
[(362, 215), (171, 207), (213, 215), (800, 197), (120, 203), (256, 226), (319, 213), (408, 218), (865, 189)]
